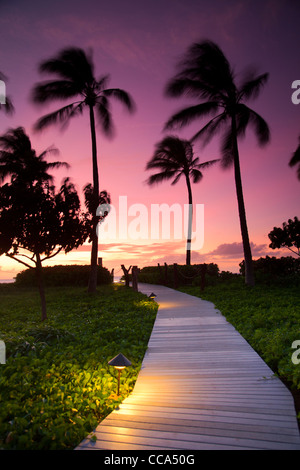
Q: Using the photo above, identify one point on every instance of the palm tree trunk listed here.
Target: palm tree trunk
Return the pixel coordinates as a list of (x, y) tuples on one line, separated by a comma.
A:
[(249, 274), (94, 252), (190, 222), (40, 282)]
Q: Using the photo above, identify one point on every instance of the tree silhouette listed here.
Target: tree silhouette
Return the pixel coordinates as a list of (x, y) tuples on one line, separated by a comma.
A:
[(295, 160), (74, 71), (286, 237), (205, 75), (19, 161), (32, 216), (101, 207), (37, 223), (174, 158)]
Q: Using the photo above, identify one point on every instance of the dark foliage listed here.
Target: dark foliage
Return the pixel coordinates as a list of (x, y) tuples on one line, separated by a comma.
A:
[(57, 276), (286, 237), (283, 271)]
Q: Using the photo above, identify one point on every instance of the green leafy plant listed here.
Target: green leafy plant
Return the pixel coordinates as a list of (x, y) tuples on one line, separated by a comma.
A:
[(56, 385)]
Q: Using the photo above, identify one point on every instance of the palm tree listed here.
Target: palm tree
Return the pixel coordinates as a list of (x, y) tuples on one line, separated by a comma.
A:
[(296, 159), (74, 71), (174, 158), (19, 161), (205, 74)]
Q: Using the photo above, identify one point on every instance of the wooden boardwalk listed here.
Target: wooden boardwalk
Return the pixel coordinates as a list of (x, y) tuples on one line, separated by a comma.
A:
[(201, 387)]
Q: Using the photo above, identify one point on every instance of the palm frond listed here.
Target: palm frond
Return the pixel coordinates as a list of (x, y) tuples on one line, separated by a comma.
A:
[(252, 86), (207, 164), (19, 160), (49, 150), (54, 90), (196, 175), (159, 177), (58, 165), (122, 96), (62, 115), (246, 115), (101, 83), (16, 141), (227, 149), (295, 159), (206, 63), (159, 161), (182, 85), (210, 129), (104, 115), (187, 115), (70, 63), (177, 178)]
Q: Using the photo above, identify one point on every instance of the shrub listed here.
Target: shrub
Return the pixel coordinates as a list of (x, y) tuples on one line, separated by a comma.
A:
[(56, 276), (186, 275), (283, 271)]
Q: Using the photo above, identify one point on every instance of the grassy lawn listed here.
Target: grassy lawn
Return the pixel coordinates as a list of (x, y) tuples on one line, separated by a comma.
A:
[(56, 385), (267, 317)]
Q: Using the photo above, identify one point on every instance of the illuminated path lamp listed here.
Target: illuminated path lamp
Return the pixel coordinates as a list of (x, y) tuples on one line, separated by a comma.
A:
[(119, 362), (152, 296)]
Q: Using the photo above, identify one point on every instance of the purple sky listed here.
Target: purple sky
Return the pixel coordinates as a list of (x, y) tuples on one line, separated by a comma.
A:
[(139, 44)]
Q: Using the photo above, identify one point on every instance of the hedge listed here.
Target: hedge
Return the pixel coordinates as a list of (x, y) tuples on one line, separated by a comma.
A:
[(186, 275), (56, 276)]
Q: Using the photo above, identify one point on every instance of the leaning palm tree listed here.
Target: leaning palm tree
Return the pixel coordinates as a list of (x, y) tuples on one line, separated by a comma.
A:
[(174, 158), (74, 72), (206, 75), (295, 159), (19, 161)]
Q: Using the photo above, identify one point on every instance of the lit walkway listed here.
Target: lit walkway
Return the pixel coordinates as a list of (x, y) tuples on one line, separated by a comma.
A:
[(201, 386)]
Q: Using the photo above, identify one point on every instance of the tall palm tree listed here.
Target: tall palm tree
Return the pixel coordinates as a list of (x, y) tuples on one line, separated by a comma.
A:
[(19, 161), (174, 158), (295, 159), (74, 78), (206, 75)]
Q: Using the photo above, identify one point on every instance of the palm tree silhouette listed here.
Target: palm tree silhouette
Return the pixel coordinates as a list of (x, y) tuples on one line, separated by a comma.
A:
[(296, 159), (174, 158), (19, 161), (74, 70), (205, 74)]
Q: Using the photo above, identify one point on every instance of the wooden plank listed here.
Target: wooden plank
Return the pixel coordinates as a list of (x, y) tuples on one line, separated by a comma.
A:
[(222, 423), (201, 386)]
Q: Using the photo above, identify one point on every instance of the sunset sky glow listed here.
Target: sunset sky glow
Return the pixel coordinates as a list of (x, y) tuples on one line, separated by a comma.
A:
[(139, 44)]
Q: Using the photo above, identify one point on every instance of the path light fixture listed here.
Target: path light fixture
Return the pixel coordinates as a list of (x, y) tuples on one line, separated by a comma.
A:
[(152, 296), (119, 362)]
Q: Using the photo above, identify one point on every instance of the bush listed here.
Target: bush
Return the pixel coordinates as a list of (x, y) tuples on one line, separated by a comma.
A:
[(187, 275), (56, 276), (283, 271)]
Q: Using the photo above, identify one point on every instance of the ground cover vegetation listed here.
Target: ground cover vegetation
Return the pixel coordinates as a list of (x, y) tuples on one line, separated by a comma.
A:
[(56, 385)]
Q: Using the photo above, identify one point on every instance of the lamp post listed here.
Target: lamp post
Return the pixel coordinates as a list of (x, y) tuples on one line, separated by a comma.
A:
[(152, 296), (119, 362)]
